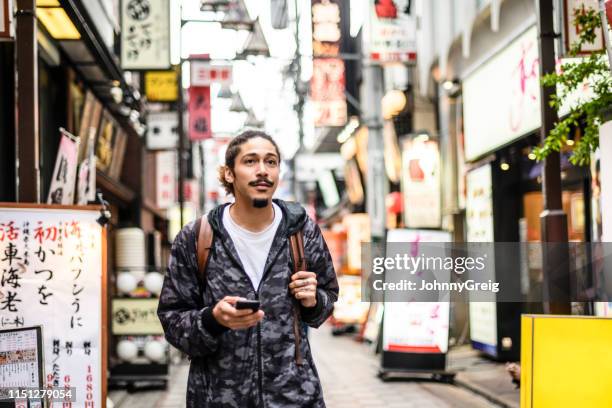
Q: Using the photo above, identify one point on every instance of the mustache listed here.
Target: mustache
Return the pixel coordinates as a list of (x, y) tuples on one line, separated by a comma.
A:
[(269, 183)]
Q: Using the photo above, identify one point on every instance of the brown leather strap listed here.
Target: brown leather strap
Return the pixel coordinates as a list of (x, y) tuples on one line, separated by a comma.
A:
[(299, 264), (205, 238)]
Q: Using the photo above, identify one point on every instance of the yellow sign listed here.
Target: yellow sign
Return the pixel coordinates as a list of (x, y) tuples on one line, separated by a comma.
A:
[(565, 361), (135, 316), (161, 86)]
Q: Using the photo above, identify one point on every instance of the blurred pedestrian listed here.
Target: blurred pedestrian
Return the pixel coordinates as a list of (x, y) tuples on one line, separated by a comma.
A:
[(257, 357)]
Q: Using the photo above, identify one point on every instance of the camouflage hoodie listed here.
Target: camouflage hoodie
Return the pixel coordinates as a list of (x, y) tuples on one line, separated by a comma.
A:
[(255, 367)]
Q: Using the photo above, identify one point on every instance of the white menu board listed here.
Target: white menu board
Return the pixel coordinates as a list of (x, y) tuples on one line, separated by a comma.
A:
[(479, 205), (51, 262), (416, 327), (479, 220)]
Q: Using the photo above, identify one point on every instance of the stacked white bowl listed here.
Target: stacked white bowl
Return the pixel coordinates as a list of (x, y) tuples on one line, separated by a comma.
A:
[(130, 248), (130, 257)]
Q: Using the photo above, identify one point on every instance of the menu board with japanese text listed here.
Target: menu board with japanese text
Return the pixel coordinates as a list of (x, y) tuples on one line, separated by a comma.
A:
[(20, 358), (52, 274)]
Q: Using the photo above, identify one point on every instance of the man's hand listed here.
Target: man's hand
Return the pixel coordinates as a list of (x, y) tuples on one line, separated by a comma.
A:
[(227, 315), (304, 288)]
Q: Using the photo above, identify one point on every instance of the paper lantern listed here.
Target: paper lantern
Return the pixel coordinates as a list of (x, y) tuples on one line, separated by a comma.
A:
[(153, 282), (155, 351), (126, 282), (127, 350)]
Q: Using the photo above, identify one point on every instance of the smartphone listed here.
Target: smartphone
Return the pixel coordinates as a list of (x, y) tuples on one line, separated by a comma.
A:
[(247, 304)]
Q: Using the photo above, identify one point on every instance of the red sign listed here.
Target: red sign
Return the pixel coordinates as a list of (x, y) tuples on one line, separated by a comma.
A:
[(608, 5), (199, 113), (327, 92), (204, 74)]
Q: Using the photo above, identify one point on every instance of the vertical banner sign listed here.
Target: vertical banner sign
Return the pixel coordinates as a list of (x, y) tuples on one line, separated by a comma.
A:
[(64, 174), (5, 22), (86, 182), (199, 113), (145, 34), (328, 79), (165, 178), (52, 274), (421, 184), (391, 31)]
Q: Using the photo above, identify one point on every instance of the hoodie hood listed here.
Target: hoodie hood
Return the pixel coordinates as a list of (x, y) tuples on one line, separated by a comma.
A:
[(294, 217)]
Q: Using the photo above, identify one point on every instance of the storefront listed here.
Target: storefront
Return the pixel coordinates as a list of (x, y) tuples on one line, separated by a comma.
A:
[(499, 125), (83, 90)]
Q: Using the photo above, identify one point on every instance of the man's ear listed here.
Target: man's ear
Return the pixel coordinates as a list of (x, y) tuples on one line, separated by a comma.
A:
[(229, 175)]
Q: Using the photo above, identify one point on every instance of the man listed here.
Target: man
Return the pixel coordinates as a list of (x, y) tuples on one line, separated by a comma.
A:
[(241, 358)]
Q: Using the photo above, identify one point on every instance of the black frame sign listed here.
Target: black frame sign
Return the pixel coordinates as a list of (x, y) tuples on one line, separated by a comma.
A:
[(21, 359)]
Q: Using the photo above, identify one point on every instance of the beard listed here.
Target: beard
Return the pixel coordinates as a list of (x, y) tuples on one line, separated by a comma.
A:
[(260, 202)]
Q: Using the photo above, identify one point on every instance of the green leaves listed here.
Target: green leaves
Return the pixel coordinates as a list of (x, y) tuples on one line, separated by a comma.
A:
[(593, 70)]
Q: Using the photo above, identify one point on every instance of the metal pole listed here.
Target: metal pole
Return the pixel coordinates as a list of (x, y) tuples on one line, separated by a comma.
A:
[(372, 115), (555, 251), (181, 146), (300, 96), (26, 116), (181, 125)]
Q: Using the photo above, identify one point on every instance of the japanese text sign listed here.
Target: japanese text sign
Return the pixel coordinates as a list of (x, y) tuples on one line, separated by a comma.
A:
[(199, 113), (161, 86), (51, 268), (327, 92), (204, 74), (145, 34), (391, 31)]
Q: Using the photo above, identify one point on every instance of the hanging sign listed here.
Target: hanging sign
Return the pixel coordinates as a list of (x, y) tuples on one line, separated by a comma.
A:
[(199, 113), (161, 86), (145, 34), (328, 79), (64, 174), (162, 130), (86, 182), (392, 31), (135, 316), (421, 184), (165, 178), (53, 276), (327, 92), (5, 19), (572, 33), (204, 74)]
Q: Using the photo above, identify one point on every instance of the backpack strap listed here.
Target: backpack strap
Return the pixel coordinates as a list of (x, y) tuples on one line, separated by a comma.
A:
[(204, 233), (296, 242)]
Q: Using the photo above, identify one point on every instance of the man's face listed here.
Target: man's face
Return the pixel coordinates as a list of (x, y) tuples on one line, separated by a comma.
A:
[(256, 171)]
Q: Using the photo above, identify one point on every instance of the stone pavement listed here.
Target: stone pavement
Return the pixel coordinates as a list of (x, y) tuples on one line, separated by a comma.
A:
[(483, 376), (348, 375)]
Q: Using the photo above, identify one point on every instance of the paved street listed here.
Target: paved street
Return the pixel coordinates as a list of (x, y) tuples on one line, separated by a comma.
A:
[(348, 373)]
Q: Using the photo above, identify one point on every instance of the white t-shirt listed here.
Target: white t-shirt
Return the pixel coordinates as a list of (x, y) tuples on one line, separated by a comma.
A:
[(252, 247)]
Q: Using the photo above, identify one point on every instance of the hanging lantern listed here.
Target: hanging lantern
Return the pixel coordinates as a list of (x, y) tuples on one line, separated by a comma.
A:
[(225, 92), (237, 17), (214, 5), (256, 44), (237, 104)]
